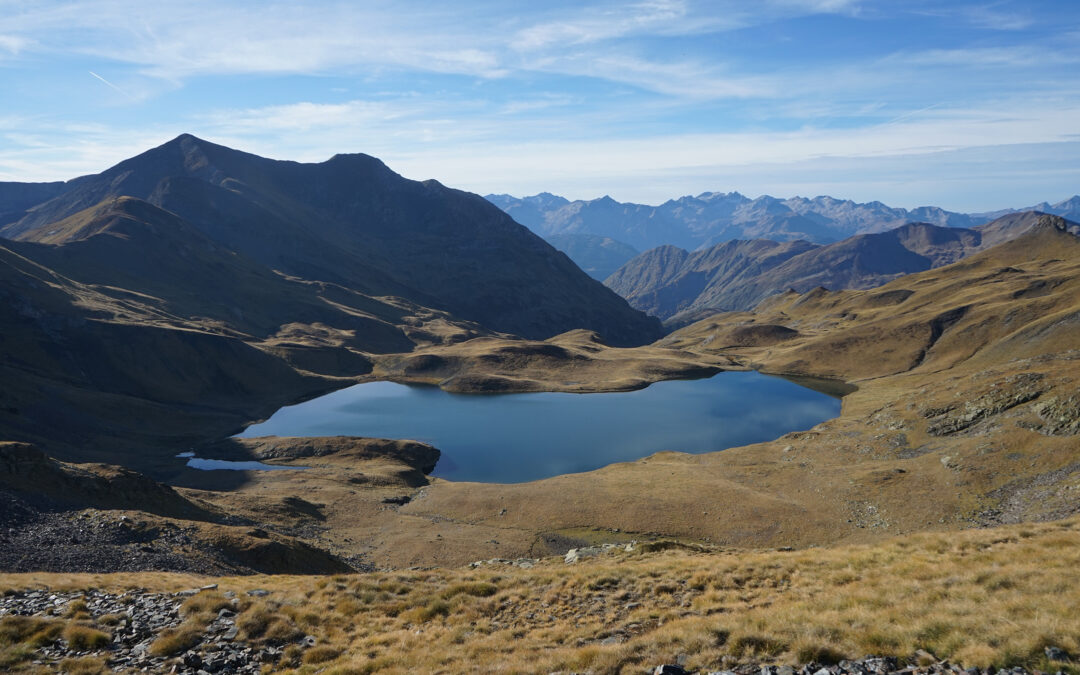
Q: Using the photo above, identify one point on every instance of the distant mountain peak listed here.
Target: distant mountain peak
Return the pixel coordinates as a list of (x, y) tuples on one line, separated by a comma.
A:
[(711, 196)]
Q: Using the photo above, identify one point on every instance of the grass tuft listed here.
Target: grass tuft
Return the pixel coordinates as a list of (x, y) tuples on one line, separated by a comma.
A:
[(205, 603), (172, 641), (84, 638), (321, 654), (87, 665)]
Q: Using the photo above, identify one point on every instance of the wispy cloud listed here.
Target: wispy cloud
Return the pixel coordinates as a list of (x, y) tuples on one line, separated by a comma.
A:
[(1020, 56), (13, 44), (686, 79), (177, 41), (616, 21), (819, 6), (993, 16)]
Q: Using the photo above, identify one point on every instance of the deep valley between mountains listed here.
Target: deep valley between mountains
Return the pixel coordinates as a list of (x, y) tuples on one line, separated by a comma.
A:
[(166, 304)]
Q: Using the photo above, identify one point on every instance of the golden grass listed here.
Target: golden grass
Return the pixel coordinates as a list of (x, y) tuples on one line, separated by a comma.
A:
[(175, 640), (87, 665), (979, 598), (84, 638), (207, 603)]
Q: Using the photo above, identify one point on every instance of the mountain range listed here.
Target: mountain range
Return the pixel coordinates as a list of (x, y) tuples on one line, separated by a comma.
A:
[(680, 286), (694, 222)]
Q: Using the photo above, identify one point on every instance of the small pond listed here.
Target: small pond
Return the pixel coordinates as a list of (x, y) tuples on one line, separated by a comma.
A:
[(512, 438), (231, 465)]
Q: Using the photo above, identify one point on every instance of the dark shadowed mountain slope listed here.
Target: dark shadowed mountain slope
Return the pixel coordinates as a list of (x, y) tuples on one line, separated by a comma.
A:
[(597, 256), (679, 286), (101, 373), (353, 222), (133, 251), (16, 198), (128, 334)]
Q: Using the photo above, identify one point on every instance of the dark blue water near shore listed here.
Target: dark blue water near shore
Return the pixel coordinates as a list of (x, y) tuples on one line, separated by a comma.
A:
[(510, 438)]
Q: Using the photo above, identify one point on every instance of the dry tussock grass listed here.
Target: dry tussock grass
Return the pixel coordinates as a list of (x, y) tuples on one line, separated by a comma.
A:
[(980, 597)]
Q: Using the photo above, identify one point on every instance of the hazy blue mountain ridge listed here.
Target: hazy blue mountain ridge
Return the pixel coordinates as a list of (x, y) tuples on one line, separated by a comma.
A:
[(693, 222)]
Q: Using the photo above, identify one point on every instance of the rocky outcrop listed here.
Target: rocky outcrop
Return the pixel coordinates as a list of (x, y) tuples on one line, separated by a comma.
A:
[(1009, 393)]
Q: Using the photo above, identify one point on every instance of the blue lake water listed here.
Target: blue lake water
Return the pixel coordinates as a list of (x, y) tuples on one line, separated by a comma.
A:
[(512, 438)]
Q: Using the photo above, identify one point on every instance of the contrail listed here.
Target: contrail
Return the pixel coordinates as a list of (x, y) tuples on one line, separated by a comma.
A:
[(111, 85), (913, 113)]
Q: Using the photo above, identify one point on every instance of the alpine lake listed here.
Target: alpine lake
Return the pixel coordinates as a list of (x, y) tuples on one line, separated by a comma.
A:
[(513, 438)]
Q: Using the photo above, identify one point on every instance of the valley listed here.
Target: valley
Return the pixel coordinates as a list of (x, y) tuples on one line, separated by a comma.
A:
[(142, 328)]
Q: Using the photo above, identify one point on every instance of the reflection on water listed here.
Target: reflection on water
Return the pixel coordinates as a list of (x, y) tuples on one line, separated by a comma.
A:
[(510, 438)]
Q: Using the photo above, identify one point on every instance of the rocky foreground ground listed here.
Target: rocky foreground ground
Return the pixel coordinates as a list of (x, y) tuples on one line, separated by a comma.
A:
[(137, 619)]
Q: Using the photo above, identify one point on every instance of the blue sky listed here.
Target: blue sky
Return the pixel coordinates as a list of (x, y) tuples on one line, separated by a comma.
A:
[(966, 105)]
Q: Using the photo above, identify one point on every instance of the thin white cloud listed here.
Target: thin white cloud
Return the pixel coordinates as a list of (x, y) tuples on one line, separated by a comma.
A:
[(13, 44), (683, 79), (179, 40), (818, 6), (605, 23), (990, 16), (176, 41), (1021, 56), (535, 103)]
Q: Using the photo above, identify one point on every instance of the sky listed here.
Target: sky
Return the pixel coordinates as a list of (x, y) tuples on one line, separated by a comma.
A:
[(972, 106)]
